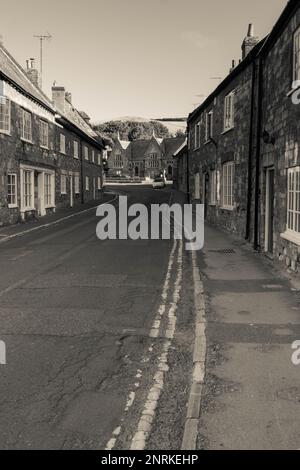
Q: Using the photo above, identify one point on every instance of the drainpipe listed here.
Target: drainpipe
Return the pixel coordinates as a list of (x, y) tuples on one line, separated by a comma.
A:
[(258, 148), (249, 196), (82, 176), (188, 168)]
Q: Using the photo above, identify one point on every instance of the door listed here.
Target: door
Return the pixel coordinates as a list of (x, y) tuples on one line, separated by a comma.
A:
[(71, 191), (269, 222)]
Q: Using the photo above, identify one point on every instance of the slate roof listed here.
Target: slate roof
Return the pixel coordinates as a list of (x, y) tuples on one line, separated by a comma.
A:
[(171, 145), (138, 149), (16, 76)]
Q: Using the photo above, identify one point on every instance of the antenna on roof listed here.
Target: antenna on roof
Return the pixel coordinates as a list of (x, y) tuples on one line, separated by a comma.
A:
[(42, 38)]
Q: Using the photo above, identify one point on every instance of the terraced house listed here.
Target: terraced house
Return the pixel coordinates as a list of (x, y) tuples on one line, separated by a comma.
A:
[(49, 154), (243, 145)]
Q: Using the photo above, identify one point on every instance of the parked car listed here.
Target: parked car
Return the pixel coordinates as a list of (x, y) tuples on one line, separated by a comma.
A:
[(159, 182)]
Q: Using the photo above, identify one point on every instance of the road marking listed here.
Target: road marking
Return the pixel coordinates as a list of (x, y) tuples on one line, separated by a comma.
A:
[(190, 435), (49, 224), (145, 423)]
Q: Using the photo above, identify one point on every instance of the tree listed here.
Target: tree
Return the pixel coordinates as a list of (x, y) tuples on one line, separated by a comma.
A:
[(132, 130)]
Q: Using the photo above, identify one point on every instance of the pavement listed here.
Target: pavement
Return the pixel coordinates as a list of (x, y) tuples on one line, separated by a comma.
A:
[(251, 394), (105, 347)]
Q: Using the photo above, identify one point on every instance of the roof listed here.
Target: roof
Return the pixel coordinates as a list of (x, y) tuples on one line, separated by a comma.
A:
[(15, 75), (171, 145), (182, 147), (138, 148)]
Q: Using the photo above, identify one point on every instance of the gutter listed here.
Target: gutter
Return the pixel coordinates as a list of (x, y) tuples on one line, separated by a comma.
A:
[(258, 154)]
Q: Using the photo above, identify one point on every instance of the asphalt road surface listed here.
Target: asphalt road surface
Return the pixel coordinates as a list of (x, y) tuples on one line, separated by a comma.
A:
[(75, 315)]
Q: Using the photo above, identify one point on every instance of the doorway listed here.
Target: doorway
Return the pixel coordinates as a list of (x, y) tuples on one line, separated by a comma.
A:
[(269, 201)]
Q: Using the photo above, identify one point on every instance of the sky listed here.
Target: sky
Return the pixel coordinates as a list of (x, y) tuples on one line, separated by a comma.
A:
[(145, 58)]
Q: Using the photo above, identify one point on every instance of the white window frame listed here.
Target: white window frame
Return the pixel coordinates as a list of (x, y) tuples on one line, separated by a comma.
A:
[(93, 156), (63, 183), (197, 135), (48, 190), (296, 55), (26, 131), (5, 115), (75, 149), (99, 158), (44, 134), (209, 132), (293, 202), (62, 144), (76, 184), (87, 183), (229, 111), (28, 183), (213, 188), (86, 152), (99, 183), (228, 176), (15, 192)]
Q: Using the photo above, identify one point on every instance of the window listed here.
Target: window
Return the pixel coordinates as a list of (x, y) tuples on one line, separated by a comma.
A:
[(99, 158), (44, 134), (47, 189), (99, 182), (75, 149), (213, 187), (5, 115), (153, 161), (118, 161), (228, 185), (297, 55), (229, 111), (197, 135), (209, 126), (93, 156), (86, 152), (76, 184), (62, 143), (87, 183), (293, 214), (12, 190), (28, 189), (26, 131), (63, 184)]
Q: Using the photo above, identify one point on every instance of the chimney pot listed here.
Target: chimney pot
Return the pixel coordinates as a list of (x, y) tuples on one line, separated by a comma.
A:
[(249, 42), (250, 31)]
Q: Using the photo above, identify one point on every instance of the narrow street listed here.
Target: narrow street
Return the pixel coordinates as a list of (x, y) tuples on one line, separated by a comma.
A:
[(76, 314)]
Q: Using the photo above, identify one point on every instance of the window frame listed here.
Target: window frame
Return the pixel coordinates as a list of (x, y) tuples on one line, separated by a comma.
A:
[(76, 184), (25, 113), (42, 123), (209, 131), (12, 205), (228, 196), (63, 183), (76, 146), (197, 131), (8, 115), (87, 183), (292, 209), (229, 118), (86, 152), (62, 139), (28, 197), (296, 66)]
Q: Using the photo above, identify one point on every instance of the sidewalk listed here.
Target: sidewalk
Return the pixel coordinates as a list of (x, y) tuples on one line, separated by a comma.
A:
[(251, 396), (13, 230)]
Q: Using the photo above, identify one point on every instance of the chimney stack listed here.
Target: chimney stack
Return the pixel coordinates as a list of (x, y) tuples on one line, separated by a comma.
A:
[(232, 66), (59, 97), (31, 72), (249, 42)]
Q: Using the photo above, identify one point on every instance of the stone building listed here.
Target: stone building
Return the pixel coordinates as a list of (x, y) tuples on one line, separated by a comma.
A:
[(144, 158), (181, 168), (278, 153), (42, 144), (243, 145)]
